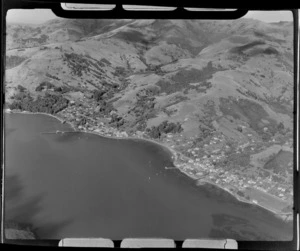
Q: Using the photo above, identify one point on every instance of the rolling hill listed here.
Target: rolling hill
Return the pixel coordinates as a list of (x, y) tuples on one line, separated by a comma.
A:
[(230, 79)]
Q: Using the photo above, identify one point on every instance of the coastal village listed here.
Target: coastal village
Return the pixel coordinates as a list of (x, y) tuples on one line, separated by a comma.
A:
[(218, 97), (205, 163), (237, 137)]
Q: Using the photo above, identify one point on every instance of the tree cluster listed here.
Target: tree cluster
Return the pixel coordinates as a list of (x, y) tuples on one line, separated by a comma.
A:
[(44, 85), (116, 120), (98, 95), (240, 193), (240, 129), (105, 108), (144, 107), (281, 129), (164, 127), (77, 63), (51, 76), (21, 88), (62, 89), (156, 69), (119, 71), (205, 129), (50, 103), (42, 39), (104, 61)]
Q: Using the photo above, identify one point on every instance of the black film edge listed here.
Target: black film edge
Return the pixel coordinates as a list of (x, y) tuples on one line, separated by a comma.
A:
[(119, 12)]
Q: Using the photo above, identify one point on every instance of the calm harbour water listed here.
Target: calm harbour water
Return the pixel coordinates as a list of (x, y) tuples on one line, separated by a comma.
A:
[(84, 185)]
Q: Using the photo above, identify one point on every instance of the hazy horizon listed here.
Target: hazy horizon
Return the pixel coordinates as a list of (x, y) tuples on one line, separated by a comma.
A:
[(39, 16)]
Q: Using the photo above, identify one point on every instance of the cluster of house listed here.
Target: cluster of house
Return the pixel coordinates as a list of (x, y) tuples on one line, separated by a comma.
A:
[(74, 114), (198, 165), (200, 168)]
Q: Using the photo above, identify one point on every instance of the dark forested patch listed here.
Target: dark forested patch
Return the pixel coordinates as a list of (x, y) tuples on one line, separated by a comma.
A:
[(105, 108), (50, 103), (242, 48), (98, 94), (132, 36), (165, 127), (21, 88), (44, 85), (40, 40), (119, 71), (182, 80), (270, 50), (77, 63), (52, 76), (104, 61), (144, 108), (116, 120)]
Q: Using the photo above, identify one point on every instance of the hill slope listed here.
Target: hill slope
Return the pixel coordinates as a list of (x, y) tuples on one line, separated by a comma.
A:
[(225, 88)]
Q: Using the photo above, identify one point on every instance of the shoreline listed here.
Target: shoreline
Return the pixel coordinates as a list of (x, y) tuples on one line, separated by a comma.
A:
[(174, 156), (47, 114), (278, 215), (171, 151)]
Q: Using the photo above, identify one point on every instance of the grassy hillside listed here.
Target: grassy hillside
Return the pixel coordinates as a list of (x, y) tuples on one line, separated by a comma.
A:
[(222, 87)]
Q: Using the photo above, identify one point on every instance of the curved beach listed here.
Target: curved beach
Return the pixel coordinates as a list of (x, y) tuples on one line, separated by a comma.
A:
[(174, 156)]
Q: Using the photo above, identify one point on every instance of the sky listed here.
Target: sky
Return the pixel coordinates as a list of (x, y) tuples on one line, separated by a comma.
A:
[(270, 16), (37, 16)]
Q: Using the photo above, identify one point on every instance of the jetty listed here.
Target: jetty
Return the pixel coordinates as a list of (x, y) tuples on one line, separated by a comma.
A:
[(57, 132), (171, 167)]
